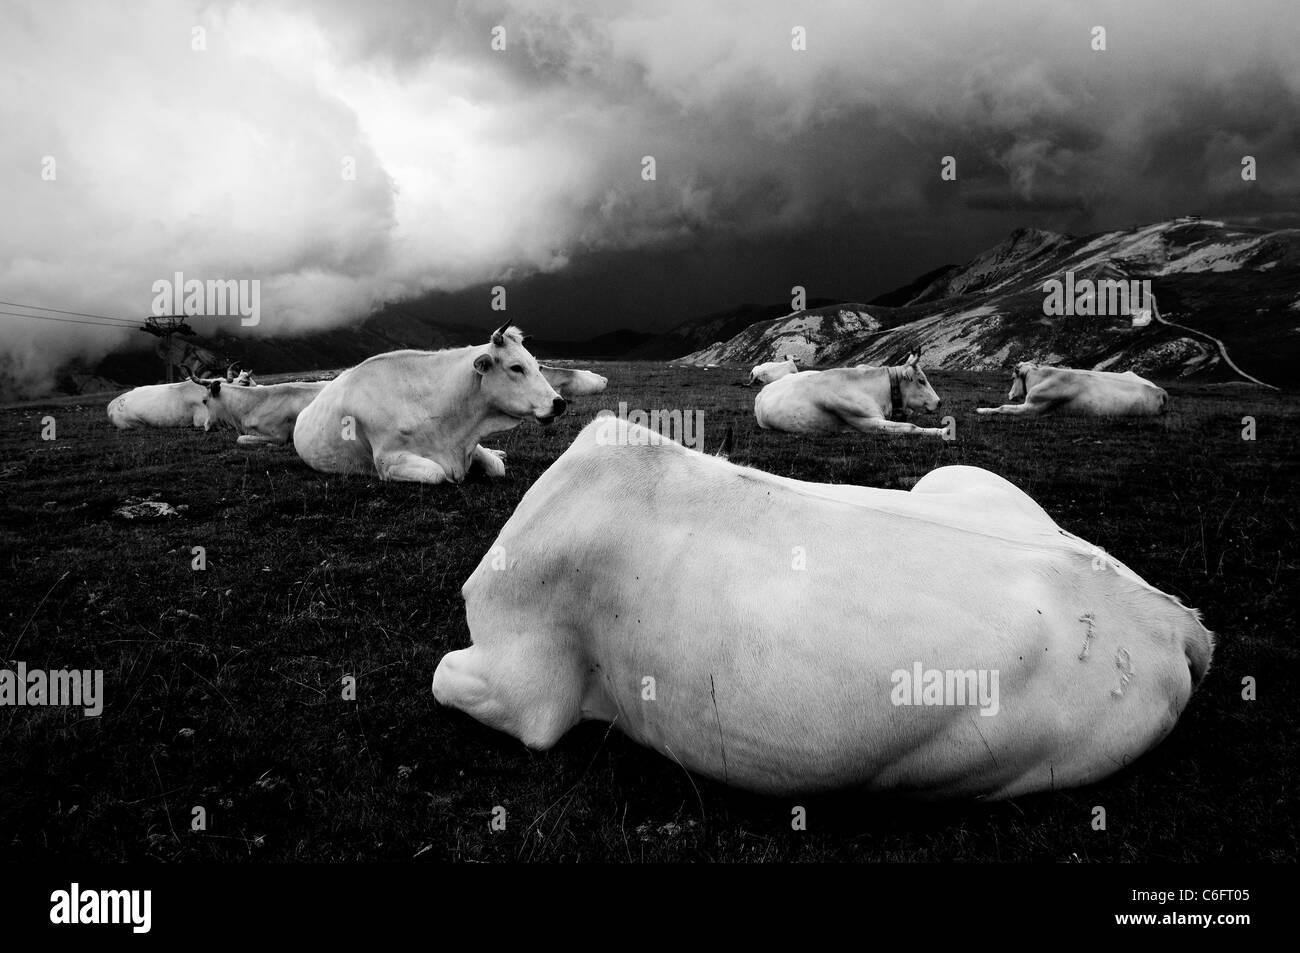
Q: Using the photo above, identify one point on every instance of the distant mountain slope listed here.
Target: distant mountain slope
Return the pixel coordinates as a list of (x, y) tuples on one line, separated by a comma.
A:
[(614, 345), (1240, 285), (704, 331), (901, 296), (813, 336)]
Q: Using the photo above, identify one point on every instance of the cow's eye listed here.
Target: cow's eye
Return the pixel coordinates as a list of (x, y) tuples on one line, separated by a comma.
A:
[(517, 368)]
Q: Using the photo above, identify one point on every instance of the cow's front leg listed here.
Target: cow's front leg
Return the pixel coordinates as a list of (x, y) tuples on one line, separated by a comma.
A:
[(1010, 409), (257, 440), (492, 461), (407, 466), (881, 425)]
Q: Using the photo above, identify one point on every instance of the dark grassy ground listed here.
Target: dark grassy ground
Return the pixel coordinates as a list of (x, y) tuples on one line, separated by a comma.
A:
[(311, 578)]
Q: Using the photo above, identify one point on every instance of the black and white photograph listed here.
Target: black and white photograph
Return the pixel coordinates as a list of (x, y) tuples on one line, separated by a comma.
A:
[(442, 438)]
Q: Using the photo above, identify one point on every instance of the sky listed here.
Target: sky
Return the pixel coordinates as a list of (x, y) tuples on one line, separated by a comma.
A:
[(215, 139)]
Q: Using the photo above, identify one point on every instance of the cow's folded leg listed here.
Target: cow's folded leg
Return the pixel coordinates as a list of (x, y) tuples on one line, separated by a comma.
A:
[(879, 424), (459, 683), (492, 461), (528, 696), (407, 466), (1009, 409), (256, 440)]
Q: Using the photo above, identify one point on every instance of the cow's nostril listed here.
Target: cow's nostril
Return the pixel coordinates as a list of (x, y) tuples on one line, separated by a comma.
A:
[(558, 405)]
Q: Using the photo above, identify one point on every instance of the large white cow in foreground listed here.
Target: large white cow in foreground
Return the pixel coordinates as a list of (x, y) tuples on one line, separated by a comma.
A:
[(847, 398), (262, 415), (784, 636), (570, 382), (168, 405), (1066, 390), (419, 415), (773, 370)]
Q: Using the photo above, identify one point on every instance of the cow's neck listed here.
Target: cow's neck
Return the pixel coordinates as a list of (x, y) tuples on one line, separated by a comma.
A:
[(466, 433), (895, 391)]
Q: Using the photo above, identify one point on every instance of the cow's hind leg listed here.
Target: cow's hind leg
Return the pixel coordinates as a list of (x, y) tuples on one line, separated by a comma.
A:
[(524, 693), (410, 467), (460, 683)]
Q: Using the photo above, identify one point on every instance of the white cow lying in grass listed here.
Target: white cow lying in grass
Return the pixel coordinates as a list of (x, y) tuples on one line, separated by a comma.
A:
[(784, 637), (848, 398), (262, 415), (570, 382), (168, 405), (773, 370), (419, 415), (1067, 390)]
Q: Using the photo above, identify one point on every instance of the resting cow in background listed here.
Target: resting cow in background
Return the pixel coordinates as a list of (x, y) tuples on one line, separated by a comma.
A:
[(419, 415), (262, 415), (570, 382), (848, 398), (1066, 390), (169, 405), (773, 370)]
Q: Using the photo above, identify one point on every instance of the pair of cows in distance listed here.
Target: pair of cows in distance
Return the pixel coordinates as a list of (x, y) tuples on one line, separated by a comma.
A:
[(946, 641), (865, 398)]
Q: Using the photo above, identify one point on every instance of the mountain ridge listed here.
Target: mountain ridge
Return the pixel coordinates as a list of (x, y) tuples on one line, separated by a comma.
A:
[(1239, 285)]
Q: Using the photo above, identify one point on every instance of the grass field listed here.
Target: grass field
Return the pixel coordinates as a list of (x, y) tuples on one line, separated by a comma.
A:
[(310, 578)]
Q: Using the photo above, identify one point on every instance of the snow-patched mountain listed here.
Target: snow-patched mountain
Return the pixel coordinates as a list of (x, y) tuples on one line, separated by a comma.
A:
[(813, 336), (1226, 301)]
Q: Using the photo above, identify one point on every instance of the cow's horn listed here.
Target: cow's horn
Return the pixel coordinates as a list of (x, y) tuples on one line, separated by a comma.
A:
[(499, 335)]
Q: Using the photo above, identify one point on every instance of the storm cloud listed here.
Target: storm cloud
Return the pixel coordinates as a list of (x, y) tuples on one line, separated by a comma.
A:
[(347, 155)]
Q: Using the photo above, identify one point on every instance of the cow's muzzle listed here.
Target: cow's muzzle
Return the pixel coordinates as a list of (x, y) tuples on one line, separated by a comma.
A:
[(558, 406)]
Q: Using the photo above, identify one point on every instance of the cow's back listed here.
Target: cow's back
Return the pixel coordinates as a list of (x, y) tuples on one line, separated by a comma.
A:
[(796, 403), (159, 405), (327, 434), (399, 392), (1093, 393)]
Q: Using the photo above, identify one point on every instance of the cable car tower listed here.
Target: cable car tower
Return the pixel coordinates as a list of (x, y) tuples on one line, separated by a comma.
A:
[(163, 326)]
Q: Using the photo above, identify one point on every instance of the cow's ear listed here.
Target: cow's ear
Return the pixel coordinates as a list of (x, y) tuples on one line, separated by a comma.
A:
[(483, 363), (914, 358), (214, 387)]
